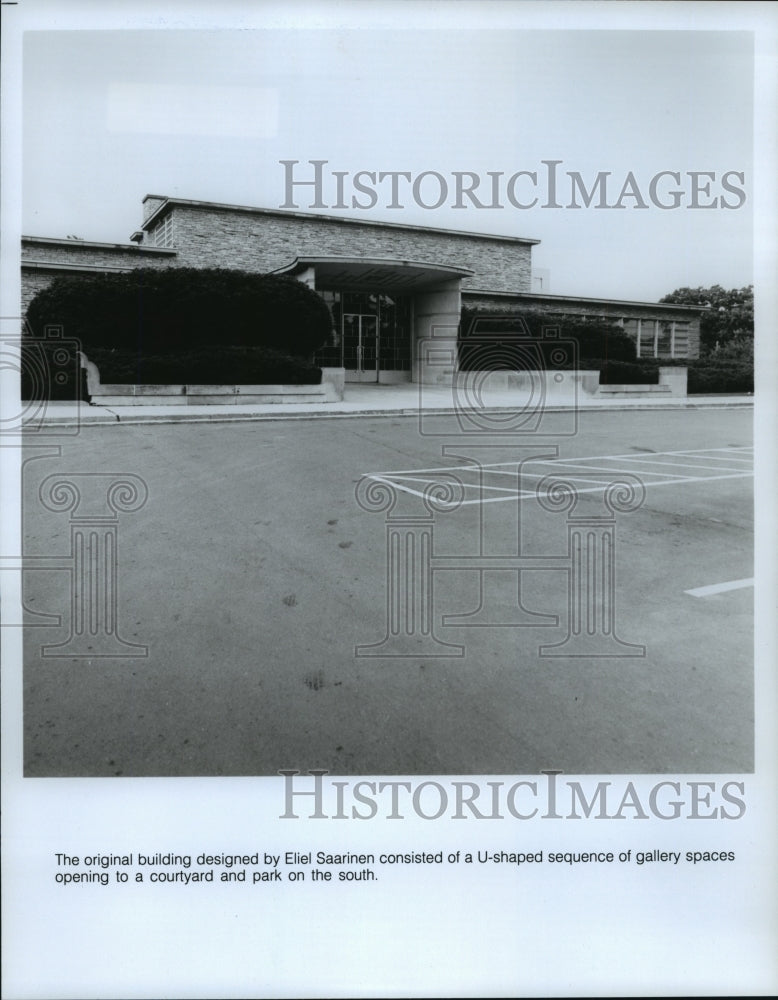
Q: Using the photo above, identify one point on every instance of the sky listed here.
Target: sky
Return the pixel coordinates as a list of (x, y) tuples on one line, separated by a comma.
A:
[(111, 115)]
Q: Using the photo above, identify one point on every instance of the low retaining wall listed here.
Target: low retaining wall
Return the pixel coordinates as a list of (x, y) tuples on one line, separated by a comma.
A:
[(566, 385), (114, 394), (672, 382), (561, 386)]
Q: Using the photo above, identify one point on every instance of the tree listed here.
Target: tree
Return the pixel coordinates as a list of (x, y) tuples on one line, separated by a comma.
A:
[(729, 316)]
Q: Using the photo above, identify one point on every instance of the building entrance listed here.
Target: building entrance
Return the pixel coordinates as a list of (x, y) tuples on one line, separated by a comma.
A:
[(372, 336), (360, 347)]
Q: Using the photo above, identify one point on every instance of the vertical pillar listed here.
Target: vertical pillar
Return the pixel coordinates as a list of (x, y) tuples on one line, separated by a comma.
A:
[(436, 314)]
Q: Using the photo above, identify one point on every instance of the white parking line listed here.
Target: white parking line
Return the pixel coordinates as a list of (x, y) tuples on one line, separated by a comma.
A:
[(578, 471), (720, 588), (685, 464), (528, 495), (700, 452), (569, 463)]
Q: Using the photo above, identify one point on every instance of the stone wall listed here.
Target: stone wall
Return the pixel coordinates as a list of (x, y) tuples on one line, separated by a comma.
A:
[(263, 240), (45, 259)]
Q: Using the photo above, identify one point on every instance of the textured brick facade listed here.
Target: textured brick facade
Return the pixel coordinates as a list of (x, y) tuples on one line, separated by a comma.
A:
[(264, 240), (44, 259)]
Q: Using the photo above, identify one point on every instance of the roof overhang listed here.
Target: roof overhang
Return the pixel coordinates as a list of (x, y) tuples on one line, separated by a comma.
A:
[(79, 244), (539, 298), (374, 274)]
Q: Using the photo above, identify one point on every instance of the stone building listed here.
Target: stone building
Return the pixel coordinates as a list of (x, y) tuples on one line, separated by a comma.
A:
[(395, 291)]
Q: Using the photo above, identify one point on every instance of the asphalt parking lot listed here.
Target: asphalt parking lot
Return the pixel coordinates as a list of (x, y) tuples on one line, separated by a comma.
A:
[(258, 592)]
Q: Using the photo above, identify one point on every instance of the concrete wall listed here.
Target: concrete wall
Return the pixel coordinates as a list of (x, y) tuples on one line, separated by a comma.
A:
[(213, 236), (435, 327), (540, 388), (123, 394)]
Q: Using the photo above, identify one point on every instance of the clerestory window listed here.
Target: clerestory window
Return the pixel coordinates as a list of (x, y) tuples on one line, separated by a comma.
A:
[(162, 233)]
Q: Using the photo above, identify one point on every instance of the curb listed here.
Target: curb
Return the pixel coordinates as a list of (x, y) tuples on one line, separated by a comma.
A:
[(110, 417)]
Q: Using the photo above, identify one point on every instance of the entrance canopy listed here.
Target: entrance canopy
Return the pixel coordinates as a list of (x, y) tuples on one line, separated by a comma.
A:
[(373, 274)]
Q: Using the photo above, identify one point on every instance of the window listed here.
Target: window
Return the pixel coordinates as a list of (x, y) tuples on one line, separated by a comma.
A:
[(681, 340), (162, 233), (657, 338), (630, 327), (646, 338), (664, 339)]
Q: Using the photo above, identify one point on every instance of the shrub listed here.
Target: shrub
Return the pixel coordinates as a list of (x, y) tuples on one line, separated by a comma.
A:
[(155, 313), (740, 349), (731, 369), (710, 375), (214, 365), (497, 330), (642, 372)]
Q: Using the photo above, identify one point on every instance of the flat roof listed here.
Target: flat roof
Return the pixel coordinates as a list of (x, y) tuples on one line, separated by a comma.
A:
[(59, 265), (63, 242), (558, 299), (167, 202)]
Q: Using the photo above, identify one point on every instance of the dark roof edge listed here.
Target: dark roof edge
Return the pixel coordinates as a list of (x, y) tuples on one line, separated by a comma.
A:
[(306, 260), (558, 299), (308, 216), (61, 241), (47, 265)]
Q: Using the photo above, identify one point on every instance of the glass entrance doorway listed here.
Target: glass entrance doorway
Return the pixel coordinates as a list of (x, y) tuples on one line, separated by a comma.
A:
[(371, 336), (360, 347)]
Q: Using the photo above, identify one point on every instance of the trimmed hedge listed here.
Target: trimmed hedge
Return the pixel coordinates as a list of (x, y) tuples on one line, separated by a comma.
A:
[(624, 372), (711, 375), (714, 373), (489, 342), (214, 365), (153, 312), (179, 325)]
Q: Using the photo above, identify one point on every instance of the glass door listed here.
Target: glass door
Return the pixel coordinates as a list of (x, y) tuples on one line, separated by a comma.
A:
[(360, 347)]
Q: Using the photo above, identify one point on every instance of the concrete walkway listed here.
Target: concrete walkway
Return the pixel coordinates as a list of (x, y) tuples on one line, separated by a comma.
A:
[(360, 400)]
